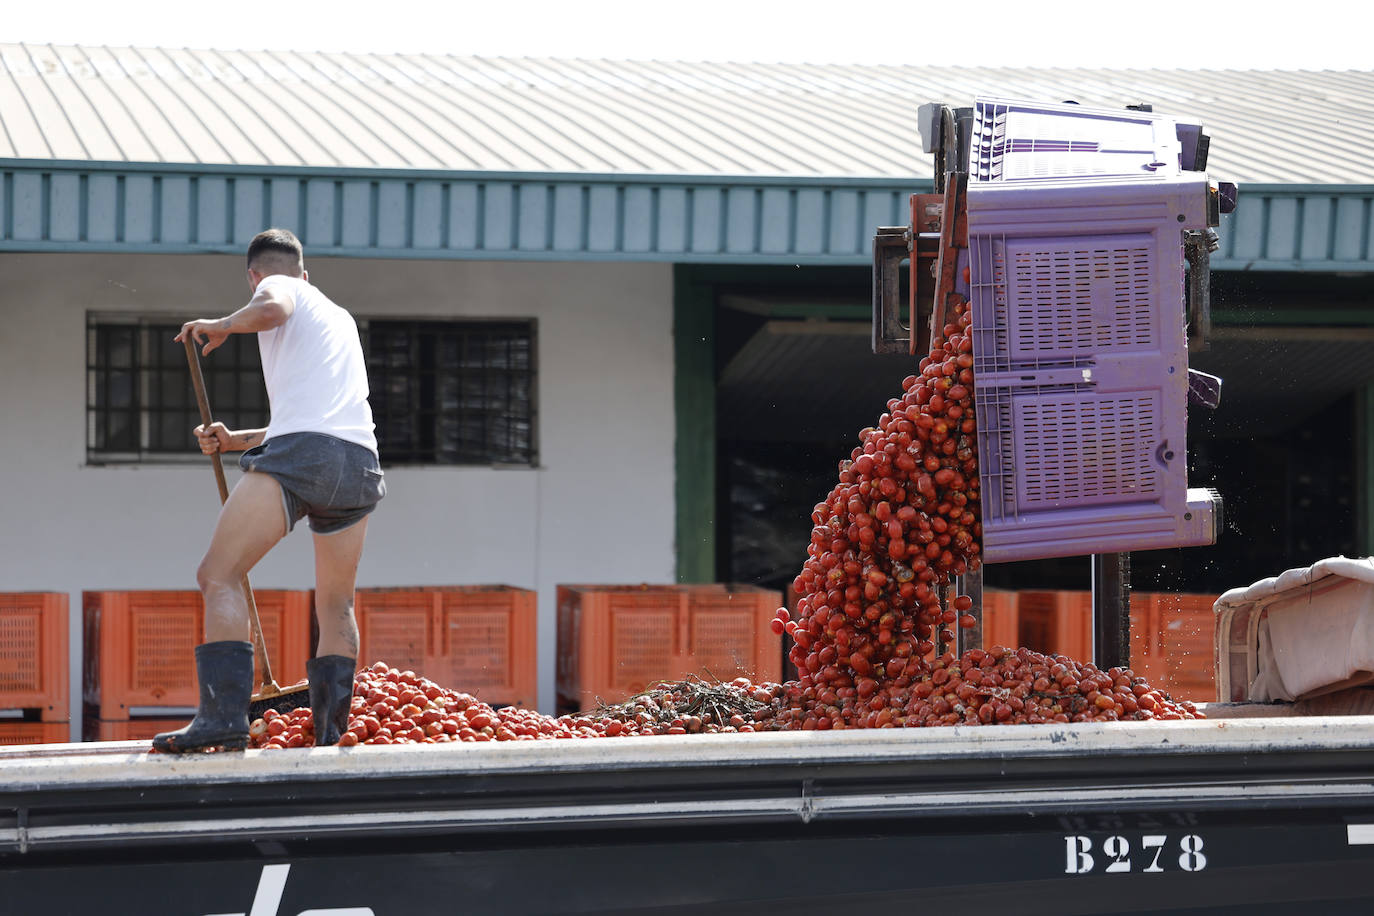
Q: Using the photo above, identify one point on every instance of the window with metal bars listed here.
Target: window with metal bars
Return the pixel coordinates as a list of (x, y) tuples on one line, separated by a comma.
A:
[(140, 405), (442, 392), (452, 392)]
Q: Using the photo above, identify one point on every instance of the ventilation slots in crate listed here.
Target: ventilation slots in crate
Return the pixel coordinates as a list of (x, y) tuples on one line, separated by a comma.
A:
[(33, 656), (616, 640), (480, 639)]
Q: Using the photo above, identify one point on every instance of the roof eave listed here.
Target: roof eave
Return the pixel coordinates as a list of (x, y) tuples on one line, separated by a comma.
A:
[(175, 208)]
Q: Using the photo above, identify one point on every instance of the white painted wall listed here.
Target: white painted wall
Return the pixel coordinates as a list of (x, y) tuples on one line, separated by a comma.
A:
[(599, 508)]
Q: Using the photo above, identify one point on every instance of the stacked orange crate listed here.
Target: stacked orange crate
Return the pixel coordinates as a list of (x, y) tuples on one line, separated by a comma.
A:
[(1000, 619), (1056, 622), (729, 635), (1171, 635), (34, 698), (139, 653), (1147, 647), (1176, 650), (481, 639), (593, 621), (616, 640)]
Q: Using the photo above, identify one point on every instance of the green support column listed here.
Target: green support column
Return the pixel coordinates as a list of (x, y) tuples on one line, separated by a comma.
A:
[(1364, 469), (694, 401)]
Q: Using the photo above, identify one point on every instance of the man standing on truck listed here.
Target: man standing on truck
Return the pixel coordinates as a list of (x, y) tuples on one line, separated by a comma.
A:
[(317, 459)]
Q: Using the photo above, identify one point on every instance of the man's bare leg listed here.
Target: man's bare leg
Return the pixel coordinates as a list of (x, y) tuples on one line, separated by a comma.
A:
[(251, 521), (336, 573), (250, 524), (331, 671)]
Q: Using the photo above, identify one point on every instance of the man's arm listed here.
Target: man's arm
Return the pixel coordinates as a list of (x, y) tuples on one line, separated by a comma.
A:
[(219, 438), (269, 308)]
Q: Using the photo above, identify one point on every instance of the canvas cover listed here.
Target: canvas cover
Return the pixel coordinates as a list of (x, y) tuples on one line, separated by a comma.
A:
[(1301, 634)]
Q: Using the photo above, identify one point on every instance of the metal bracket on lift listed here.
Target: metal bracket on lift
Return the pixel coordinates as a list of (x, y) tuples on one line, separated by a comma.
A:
[(1197, 250), (891, 246), (939, 226), (930, 246)]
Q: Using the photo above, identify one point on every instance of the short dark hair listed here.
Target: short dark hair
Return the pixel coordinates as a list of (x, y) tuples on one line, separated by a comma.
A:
[(277, 249)]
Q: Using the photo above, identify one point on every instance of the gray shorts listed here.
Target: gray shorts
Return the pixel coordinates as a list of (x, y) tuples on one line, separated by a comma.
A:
[(332, 481)]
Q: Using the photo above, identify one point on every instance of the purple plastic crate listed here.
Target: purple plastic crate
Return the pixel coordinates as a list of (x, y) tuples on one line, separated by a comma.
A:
[(1081, 359)]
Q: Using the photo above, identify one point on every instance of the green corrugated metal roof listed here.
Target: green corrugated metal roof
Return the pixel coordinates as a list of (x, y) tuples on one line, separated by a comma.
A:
[(428, 111)]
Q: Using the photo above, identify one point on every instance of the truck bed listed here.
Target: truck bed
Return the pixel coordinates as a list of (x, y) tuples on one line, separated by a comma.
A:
[(1256, 813)]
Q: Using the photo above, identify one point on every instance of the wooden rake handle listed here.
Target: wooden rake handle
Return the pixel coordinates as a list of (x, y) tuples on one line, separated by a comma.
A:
[(267, 682)]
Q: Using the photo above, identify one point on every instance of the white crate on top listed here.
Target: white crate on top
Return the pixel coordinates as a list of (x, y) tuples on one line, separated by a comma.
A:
[(1026, 141)]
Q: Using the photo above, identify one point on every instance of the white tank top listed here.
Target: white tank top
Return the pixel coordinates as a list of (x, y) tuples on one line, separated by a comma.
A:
[(314, 370)]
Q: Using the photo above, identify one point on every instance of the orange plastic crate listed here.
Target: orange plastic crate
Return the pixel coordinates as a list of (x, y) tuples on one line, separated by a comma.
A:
[(35, 732), (481, 639), (1171, 635), (141, 729), (1059, 622), (140, 646), (1000, 619), (1176, 651), (616, 640), (33, 653), (1056, 622)]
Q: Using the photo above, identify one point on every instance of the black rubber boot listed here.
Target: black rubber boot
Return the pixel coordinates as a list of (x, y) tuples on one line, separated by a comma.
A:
[(225, 672), (331, 695)]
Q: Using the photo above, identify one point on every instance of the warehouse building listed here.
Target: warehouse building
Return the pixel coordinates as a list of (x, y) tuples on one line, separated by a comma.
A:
[(616, 313)]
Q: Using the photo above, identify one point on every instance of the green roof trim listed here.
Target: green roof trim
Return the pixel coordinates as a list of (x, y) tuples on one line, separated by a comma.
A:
[(1299, 227), (49, 205)]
